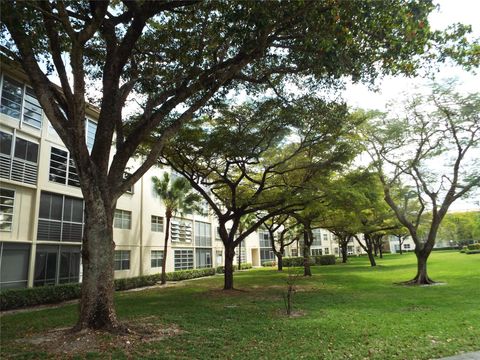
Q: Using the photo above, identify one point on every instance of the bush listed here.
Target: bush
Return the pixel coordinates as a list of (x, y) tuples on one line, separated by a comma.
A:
[(296, 261), (473, 246), (17, 298), (269, 263), (325, 260), (245, 266), (470, 252)]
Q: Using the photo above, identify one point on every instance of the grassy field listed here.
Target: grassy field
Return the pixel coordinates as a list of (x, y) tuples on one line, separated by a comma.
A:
[(347, 311)]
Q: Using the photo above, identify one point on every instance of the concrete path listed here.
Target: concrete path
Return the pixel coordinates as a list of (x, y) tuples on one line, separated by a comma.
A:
[(466, 356)]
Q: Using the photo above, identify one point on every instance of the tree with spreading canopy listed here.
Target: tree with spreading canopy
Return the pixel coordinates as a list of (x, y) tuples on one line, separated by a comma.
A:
[(256, 158), (173, 58), (433, 149)]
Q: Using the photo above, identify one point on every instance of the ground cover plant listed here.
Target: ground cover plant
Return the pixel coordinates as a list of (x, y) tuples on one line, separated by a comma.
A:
[(346, 311)]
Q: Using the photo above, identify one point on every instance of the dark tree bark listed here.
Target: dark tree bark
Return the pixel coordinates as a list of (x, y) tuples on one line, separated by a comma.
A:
[(307, 271), (163, 278), (344, 253), (368, 247), (228, 278), (279, 261), (96, 300), (400, 243)]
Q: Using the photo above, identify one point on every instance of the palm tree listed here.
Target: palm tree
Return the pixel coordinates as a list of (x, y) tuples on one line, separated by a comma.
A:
[(177, 196)]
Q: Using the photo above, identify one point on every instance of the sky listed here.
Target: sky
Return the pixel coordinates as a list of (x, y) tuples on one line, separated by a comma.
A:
[(391, 88)]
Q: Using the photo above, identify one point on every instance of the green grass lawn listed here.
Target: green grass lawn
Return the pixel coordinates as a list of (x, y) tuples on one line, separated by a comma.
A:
[(347, 311)]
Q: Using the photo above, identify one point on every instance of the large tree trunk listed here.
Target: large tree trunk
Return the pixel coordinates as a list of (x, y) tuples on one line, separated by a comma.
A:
[(279, 260), (344, 253), (228, 276), (400, 243), (422, 276), (307, 271), (380, 250), (371, 257), (163, 279), (97, 294)]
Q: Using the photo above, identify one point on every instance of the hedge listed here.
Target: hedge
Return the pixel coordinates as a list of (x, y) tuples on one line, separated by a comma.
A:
[(473, 246), (269, 263), (18, 298), (325, 260), (245, 266), (470, 252)]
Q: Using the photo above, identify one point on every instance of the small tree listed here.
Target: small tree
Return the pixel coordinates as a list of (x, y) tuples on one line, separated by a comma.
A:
[(177, 196), (282, 232)]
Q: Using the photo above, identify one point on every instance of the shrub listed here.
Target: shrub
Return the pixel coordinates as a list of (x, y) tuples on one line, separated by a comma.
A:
[(245, 266), (269, 263), (296, 261), (325, 260), (473, 246), (470, 252), (17, 298)]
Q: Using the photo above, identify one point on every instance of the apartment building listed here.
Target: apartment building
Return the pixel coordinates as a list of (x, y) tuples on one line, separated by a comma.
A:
[(42, 210)]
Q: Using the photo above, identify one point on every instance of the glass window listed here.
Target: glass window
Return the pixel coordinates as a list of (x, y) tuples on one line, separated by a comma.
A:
[(32, 112), (22, 166), (62, 168), (90, 132), (122, 219), (327, 251), (183, 259), (266, 255), (7, 200), (264, 239), (60, 218), (294, 252), (16, 95), (156, 257), (204, 258), (5, 143), (316, 252), (122, 259), (12, 92), (203, 234), (56, 265), (157, 223), (14, 262)]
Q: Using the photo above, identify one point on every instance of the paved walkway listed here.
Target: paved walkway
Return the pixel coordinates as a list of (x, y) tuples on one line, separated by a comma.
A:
[(467, 356)]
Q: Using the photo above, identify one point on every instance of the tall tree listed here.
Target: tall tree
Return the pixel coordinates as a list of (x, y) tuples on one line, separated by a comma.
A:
[(245, 157), (173, 58), (178, 197), (434, 149)]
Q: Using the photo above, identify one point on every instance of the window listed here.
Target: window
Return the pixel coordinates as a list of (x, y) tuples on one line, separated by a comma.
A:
[(316, 252), (219, 257), (157, 223), (90, 131), (181, 230), (122, 219), (60, 218), (264, 239), (294, 252), (56, 265), (325, 237), (183, 259), (317, 238), (130, 189), (22, 166), (7, 200), (204, 258), (336, 251), (203, 234), (349, 250), (156, 258), (406, 246), (327, 251), (14, 260), (266, 255), (62, 168), (122, 259), (19, 101)]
